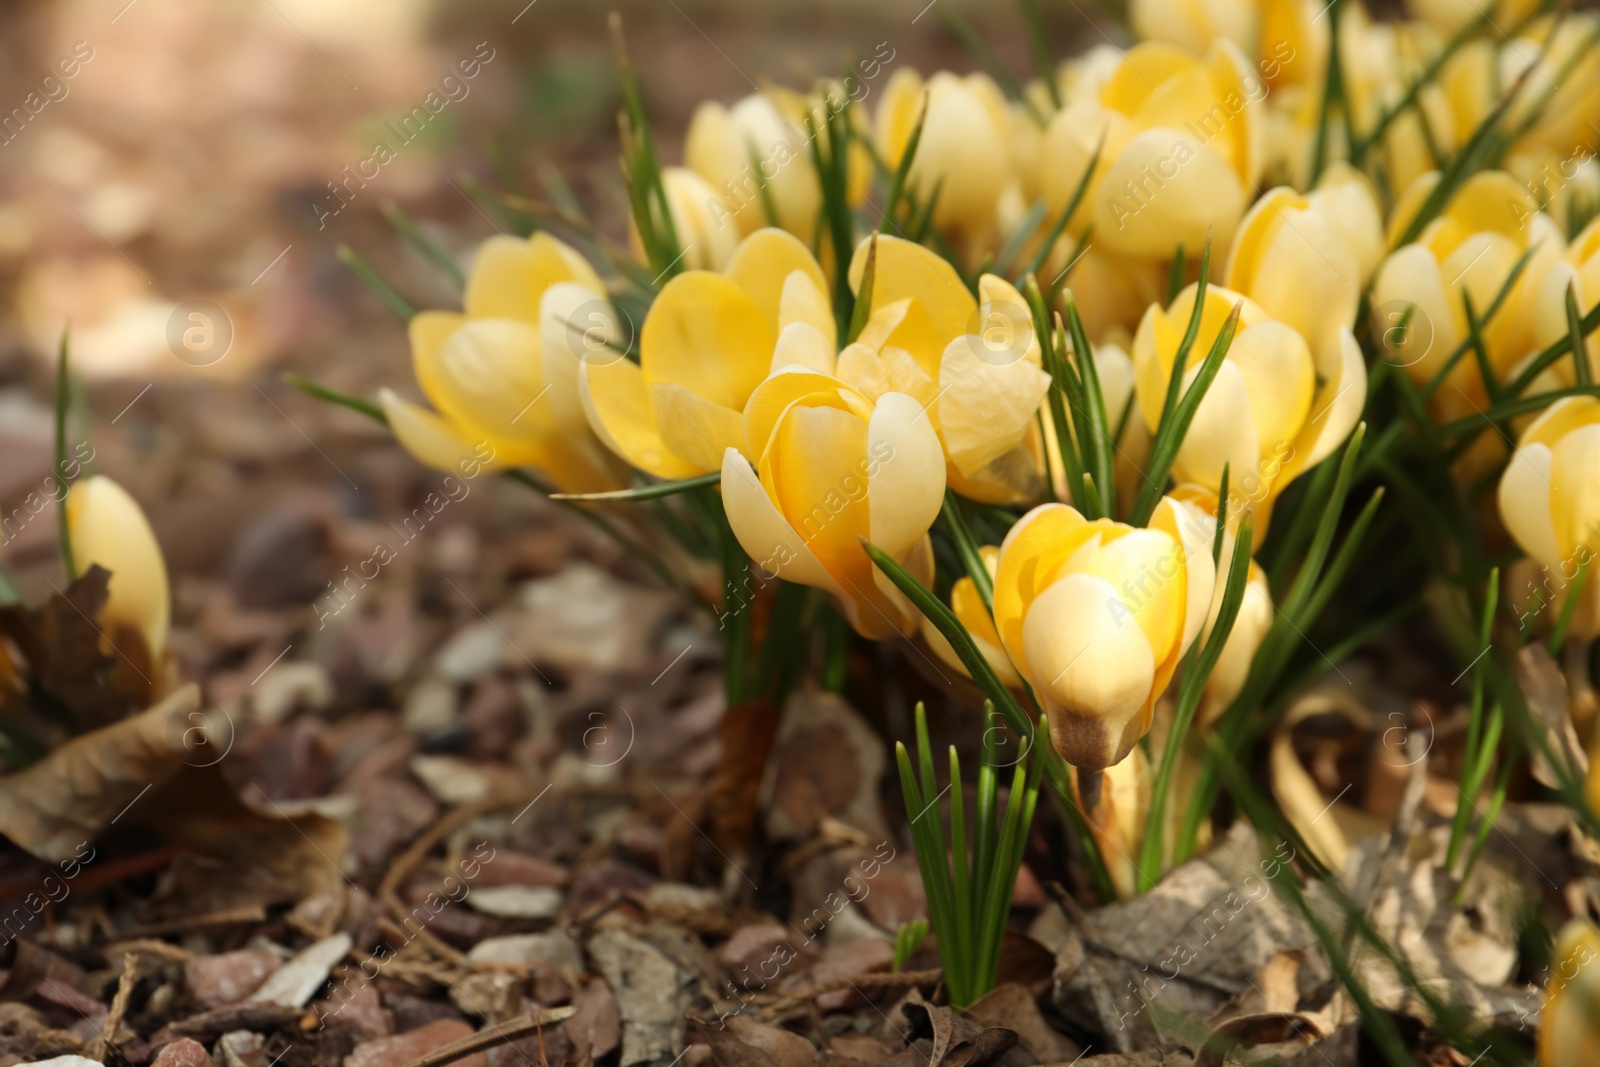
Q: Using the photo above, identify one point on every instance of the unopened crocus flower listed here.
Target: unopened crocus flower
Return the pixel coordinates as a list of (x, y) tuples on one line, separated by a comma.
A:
[(1183, 149), (502, 375), (709, 339), (831, 467), (965, 149), (1096, 616), (699, 221), (753, 155), (1550, 502), (1578, 270), (1569, 1025), (1306, 258), (1470, 249), (106, 526), (1274, 409)]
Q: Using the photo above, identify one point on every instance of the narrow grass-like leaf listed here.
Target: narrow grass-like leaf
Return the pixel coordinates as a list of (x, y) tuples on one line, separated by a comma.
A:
[(1094, 436), (1040, 46), (1198, 663), (375, 282), (1175, 273), (425, 245), (1569, 608), (1480, 348), (1580, 354), (1033, 265), (902, 170), (961, 870), (63, 486), (967, 547), (647, 492), (978, 668), (1167, 436), (1170, 433)]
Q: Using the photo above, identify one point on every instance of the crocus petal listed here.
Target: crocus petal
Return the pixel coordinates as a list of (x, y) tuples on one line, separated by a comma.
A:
[(617, 403), (906, 472), (764, 533), (486, 378), (693, 427), (761, 266), (985, 408), (1525, 502), (511, 274), (431, 440), (705, 333), (106, 526)]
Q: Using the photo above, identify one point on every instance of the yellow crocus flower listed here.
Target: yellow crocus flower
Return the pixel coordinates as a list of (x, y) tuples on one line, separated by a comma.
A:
[(1550, 502), (1470, 248), (502, 375), (966, 147), (832, 467), (709, 339), (1569, 1025), (1096, 616), (1275, 408), (106, 526), (974, 364), (1306, 258), (1183, 148)]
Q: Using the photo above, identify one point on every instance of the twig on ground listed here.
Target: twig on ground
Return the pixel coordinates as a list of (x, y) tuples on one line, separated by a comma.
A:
[(492, 1036)]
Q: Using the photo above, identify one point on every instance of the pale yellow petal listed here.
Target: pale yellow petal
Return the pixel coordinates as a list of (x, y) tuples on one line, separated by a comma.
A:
[(905, 468), (761, 266), (1525, 504), (697, 429), (617, 403), (706, 334), (106, 526), (432, 440), (801, 345)]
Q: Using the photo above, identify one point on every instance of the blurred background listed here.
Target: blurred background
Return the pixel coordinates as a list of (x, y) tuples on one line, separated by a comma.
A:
[(168, 174)]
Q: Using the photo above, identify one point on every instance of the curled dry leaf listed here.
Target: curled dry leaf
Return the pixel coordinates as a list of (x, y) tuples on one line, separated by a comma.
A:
[(159, 769), (71, 795), (1545, 687), (1315, 729)]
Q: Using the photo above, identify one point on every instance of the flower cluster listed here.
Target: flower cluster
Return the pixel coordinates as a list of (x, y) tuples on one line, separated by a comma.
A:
[(1020, 375)]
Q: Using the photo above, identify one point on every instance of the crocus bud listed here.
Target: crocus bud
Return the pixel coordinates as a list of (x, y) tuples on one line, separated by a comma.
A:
[(1096, 615), (752, 156), (965, 149), (107, 527), (1550, 502)]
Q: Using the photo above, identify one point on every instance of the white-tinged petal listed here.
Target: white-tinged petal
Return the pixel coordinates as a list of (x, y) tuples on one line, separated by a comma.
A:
[(1525, 502), (801, 345), (905, 473), (1222, 433), (1085, 651), (985, 408)]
